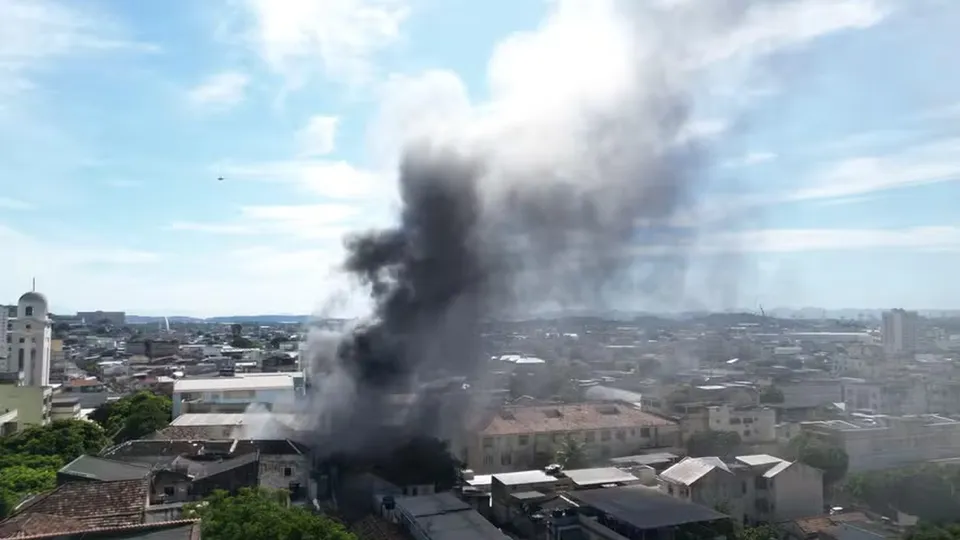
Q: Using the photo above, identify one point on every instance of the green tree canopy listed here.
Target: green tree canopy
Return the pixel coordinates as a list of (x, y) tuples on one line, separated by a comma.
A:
[(832, 460), (926, 531), (65, 439), (572, 454), (135, 416), (762, 532), (256, 514), (930, 491), (771, 394), (713, 443)]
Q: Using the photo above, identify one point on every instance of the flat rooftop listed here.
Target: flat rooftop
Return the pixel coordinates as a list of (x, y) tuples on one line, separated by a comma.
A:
[(238, 382), (644, 508)]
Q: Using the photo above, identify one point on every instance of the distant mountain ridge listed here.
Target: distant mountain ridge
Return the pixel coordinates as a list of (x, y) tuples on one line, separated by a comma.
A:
[(229, 319), (806, 313)]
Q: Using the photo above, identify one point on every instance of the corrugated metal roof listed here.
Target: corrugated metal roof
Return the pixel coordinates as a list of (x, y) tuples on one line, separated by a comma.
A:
[(759, 459), (688, 471), (599, 476), (524, 477)]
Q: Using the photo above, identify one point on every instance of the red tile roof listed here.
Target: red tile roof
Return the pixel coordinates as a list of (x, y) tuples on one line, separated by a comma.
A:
[(80, 506), (576, 417)]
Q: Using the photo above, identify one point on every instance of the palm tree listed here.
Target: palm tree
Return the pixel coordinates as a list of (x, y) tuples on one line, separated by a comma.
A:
[(571, 454)]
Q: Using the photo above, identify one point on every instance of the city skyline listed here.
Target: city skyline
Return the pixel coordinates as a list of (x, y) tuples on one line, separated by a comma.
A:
[(830, 182)]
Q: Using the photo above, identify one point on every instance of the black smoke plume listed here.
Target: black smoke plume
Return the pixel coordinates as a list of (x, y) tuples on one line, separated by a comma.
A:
[(568, 201)]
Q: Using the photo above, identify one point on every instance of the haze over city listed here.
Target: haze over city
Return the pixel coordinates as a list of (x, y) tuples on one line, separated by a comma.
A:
[(822, 185)]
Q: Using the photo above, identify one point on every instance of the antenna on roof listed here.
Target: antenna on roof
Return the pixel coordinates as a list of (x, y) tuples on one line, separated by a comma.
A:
[(34, 289)]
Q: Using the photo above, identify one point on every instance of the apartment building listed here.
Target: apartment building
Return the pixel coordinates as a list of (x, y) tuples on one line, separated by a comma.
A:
[(755, 425), (751, 489), (520, 438), (881, 442)]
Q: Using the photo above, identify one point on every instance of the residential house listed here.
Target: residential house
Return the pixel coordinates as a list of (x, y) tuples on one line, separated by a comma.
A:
[(234, 394), (752, 489), (85, 510)]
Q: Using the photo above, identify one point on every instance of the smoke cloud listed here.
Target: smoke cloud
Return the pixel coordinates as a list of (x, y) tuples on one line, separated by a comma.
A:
[(567, 188)]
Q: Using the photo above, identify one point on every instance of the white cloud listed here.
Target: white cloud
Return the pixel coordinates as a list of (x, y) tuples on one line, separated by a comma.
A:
[(325, 179), (319, 136), (313, 222), (341, 37), (36, 32), (220, 92), (917, 165)]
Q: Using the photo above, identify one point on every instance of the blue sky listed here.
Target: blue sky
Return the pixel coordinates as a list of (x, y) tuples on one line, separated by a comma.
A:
[(832, 179)]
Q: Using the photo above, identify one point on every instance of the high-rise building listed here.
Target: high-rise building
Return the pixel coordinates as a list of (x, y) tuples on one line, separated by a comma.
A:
[(29, 336), (4, 337), (900, 331)]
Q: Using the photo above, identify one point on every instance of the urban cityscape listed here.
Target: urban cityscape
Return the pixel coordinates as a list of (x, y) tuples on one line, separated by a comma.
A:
[(615, 428), (462, 270)]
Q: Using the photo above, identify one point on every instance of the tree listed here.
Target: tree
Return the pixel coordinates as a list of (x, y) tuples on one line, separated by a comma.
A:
[(929, 491), (928, 531), (713, 443), (134, 416), (241, 342), (258, 514), (762, 532), (832, 460), (771, 394), (572, 454), (65, 439)]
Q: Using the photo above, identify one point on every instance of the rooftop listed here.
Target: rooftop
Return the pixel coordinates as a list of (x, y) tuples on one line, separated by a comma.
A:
[(576, 417), (448, 518), (104, 470), (78, 507), (599, 476), (237, 382), (524, 477), (688, 471), (644, 508)]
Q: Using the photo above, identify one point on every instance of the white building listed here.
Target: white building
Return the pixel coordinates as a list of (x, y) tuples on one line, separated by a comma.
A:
[(235, 394), (5, 338), (899, 331), (752, 489), (28, 337)]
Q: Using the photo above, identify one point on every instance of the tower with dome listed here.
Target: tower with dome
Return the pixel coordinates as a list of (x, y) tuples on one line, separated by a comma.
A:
[(29, 332)]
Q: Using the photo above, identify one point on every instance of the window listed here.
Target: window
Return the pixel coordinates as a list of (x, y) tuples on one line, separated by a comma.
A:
[(590, 436), (645, 432), (506, 459), (488, 442), (621, 435), (28, 327), (29, 311), (605, 435), (523, 440), (488, 460), (734, 421), (23, 340), (287, 471), (743, 487), (748, 420), (169, 491), (20, 359)]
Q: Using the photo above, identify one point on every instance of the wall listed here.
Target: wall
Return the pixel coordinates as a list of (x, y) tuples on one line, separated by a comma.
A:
[(507, 453), (272, 473), (797, 492), (32, 403)]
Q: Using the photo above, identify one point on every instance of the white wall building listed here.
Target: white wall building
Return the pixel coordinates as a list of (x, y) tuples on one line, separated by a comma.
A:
[(899, 331), (234, 394), (5, 338), (28, 336)]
